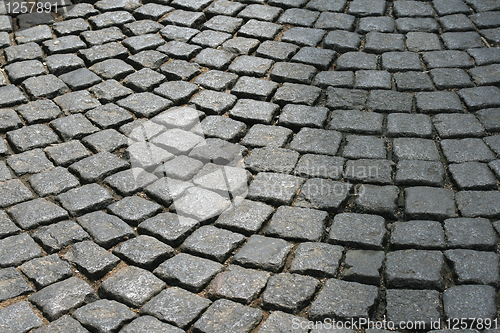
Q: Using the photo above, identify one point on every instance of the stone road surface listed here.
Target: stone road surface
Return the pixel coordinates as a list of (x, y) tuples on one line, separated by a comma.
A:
[(219, 166)]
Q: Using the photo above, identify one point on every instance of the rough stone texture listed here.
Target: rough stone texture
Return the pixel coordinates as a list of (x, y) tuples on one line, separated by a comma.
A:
[(13, 284), (227, 316), (238, 284), (428, 202), (400, 305), (62, 297), (104, 315), (91, 259), (316, 259), (419, 234), (297, 224), (263, 252), (415, 268), (358, 229), (132, 286), (187, 271), (19, 317), (46, 270), (343, 299), (479, 235), (213, 145), (15, 250), (176, 306), (363, 266), (481, 297), (289, 291)]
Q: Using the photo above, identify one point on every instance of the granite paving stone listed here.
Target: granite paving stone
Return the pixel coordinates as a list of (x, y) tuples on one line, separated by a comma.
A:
[(308, 224), (64, 323), (418, 234), (104, 315), (98, 166), (29, 162), (39, 111), (168, 227), (151, 324), (107, 140), (263, 253), (363, 266), (8, 227), (59, 298), (10, 120), (281, 320), (46, 270), (93, 260), (378, 199), (176, 306), (481, 297), (56, 236), (76, 102), (30, 137), (190, 272), (132, 286), (248, 165), (134, 209), (106, 230), (212, 242), (86, 198), (315, 258), (228, 316), (71, 151), (365, 230), (343, 299), (324, 194), (246, 216), (320, 166), (53, 182), (13, 191), (13, 284), (289, 292), (15, 250), (415, 268), (423, 202), (19, 317), (483, 264), (144, 251), (478, 203), (400, 303), (480, 233), (31, 214)]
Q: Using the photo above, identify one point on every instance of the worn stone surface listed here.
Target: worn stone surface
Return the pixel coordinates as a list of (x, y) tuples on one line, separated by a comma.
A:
[(132, 286), (238, 284), (176, 306), (227, 316), (263, 252), (62, 297), (187, 271), (241, 150), (343, 299)]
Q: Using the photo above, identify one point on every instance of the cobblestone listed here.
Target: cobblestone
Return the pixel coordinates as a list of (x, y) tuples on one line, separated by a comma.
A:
[(245, 166), (62, 297)]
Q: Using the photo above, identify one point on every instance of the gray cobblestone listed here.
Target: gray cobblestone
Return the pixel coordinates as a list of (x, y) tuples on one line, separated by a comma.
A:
[(120, 115)]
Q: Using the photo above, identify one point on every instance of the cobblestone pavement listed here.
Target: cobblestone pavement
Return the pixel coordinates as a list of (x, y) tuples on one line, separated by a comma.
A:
[(218, 166)]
